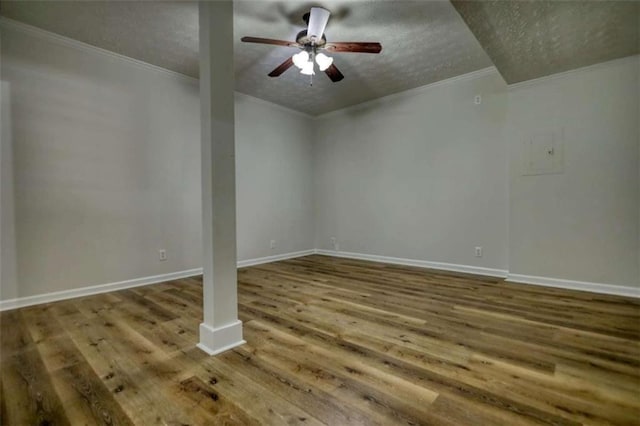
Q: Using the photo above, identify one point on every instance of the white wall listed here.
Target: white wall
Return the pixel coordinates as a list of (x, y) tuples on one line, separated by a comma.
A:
[(581, 224), (419, 175), (106, 169), (7, 216), (423, 175), (100, 169), (274, 179)]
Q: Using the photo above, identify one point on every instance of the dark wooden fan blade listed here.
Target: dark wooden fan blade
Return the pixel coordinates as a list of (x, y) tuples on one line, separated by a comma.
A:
[(334, 73), (355, 47), (281, 68), (270, 41)]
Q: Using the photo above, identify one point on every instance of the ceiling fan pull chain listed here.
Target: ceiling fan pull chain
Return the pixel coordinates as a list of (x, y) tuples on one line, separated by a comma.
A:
[(312, 59)]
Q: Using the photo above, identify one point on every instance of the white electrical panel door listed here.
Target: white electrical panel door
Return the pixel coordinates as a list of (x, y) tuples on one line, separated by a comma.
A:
[(543, 153)]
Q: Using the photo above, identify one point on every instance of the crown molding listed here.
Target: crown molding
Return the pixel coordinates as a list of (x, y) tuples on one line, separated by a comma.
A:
[(89, 48), (559, 75), (413, 91), (85, 47)]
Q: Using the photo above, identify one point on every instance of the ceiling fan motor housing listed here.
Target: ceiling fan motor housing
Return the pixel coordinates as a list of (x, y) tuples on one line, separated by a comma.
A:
[(305, 41), (309, 41)]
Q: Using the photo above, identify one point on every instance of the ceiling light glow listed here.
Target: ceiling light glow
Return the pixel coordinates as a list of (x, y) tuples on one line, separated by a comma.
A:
[(323, 61), (300, 59), (307, 69)]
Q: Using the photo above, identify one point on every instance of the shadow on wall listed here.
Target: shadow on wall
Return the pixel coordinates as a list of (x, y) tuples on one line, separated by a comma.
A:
[(8, 282)]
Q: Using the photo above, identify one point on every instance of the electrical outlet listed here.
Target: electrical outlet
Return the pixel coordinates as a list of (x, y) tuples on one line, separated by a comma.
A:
[(334, 243), (477, 100), (162, 254), (272, 244), (478, 251)]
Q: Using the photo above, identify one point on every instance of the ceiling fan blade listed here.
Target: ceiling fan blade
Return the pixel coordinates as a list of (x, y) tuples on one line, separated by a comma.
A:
[(355, 47), (281, 68), (334, 73), (270, 41), (318, 19)]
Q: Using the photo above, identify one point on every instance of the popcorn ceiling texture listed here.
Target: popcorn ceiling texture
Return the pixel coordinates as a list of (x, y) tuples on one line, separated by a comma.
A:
[(423, 42), (531, 39), (160, 33)]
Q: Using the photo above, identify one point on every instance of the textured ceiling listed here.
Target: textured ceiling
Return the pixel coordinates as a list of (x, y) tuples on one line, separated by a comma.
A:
[(530, 39), (160, 33), (423, 42)]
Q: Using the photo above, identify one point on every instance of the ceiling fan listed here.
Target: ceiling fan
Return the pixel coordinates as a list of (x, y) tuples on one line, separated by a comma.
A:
[(312, 42)]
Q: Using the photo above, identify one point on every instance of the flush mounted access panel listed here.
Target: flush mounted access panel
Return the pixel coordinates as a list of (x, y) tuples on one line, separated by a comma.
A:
[(543, 153)]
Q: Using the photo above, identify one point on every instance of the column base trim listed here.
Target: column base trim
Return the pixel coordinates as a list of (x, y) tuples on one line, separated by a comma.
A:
[(217, 340)]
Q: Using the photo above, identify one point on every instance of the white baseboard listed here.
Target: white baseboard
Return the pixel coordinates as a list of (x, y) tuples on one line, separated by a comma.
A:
[(94, 289), (216, 340), (617, 290), (467, 269), (275, 258), (21, 302), (501, 273)]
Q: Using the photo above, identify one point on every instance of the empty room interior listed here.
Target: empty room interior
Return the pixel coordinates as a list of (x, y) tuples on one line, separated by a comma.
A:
[(343, 212)]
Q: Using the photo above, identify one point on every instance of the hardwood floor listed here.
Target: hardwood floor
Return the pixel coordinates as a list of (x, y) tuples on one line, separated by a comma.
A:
[(329, 341)]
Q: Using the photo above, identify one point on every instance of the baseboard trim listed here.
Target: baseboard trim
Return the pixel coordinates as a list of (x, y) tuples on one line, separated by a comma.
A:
[(217, 340), (274, 258), (600, 288), (616, 290), (453, 267), (21, 302)]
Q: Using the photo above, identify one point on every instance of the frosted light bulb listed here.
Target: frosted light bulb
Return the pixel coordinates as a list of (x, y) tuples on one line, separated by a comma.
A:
[(323, 61), (300, 59), (307, 69)]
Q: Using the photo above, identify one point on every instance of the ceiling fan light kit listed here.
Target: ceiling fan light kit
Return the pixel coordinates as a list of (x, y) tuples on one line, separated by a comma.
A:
[(323, 61), (307, 69), (311, 41), (300, 59)]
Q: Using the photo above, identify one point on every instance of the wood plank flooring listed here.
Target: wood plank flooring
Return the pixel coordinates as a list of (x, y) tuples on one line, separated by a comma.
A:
[(329, 341)]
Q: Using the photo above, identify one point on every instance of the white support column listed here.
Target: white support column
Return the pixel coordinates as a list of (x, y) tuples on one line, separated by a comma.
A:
[(221, 329)]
